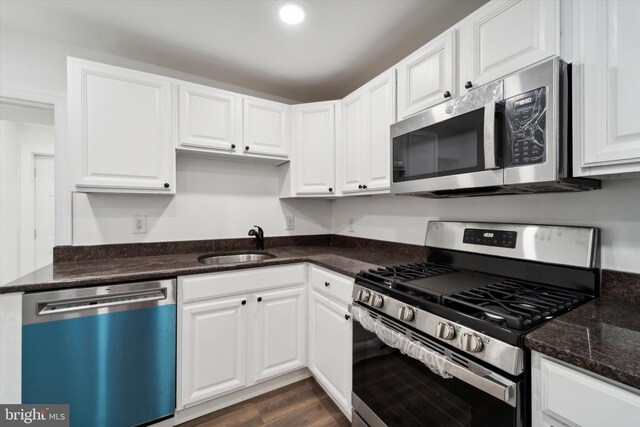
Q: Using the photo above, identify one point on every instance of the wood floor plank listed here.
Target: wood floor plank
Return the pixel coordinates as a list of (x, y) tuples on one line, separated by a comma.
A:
[(317, 414), (301, 404), (278, 405), (245, 416)]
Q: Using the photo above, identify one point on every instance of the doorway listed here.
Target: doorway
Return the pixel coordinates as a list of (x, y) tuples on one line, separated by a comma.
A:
[(27, 205)]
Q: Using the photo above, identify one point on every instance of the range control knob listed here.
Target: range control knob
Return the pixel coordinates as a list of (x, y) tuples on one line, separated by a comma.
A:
[(377, 300), (363, 295), (406, 313), (471, 343), (445, 331)]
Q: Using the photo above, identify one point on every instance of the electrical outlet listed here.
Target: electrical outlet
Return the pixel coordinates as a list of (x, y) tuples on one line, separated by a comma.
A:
[(352, 229), (139, 224), (288, 222)]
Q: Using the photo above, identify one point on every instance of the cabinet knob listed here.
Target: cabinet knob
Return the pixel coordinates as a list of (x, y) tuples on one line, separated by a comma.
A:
[(360, 186), (244, 301), (447, 94), (347, 317), (468, 85), (246, 148), (330, 189), (364, 187), (166, 185), (233, 146), (327, 284), (259, 299)]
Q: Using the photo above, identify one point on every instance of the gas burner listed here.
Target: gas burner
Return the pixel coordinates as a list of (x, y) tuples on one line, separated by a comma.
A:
[(492, 316), (515, 304)]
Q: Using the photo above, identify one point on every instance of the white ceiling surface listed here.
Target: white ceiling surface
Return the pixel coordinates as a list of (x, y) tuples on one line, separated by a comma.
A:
[(341, 44)]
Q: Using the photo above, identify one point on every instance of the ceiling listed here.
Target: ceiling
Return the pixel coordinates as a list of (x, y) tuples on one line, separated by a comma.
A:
[(341, 44)]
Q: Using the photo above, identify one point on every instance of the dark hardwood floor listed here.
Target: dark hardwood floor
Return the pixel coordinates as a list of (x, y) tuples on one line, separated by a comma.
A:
[(300, 404)]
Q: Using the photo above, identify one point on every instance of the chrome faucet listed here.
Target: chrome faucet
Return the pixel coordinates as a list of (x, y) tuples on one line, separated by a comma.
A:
[(259, 237)]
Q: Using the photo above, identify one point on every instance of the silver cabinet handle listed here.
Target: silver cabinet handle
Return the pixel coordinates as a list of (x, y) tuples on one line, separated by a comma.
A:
[(98, 301)]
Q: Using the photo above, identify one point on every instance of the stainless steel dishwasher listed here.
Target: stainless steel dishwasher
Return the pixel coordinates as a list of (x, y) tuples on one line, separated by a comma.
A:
[(108, 352)]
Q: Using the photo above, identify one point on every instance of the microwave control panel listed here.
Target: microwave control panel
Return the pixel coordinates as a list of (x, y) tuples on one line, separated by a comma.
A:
[(525, 120)]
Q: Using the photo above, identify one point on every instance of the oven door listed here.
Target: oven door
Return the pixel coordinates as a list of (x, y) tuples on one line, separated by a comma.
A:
[(452, 146), (401, 378)]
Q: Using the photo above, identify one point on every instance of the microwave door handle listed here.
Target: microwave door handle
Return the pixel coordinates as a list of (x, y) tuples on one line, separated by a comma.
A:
[(490, 136)]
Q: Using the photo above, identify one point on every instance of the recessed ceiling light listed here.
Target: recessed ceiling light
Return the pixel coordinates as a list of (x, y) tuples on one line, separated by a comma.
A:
[(291, 14)]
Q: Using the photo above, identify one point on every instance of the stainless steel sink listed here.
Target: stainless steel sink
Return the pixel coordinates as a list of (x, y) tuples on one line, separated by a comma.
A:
[(212, 259)]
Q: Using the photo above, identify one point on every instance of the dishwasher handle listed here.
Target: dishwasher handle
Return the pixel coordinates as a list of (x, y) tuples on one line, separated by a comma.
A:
[(99, 301)]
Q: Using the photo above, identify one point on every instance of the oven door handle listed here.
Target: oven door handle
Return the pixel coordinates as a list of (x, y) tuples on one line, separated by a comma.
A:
[(490, 144), (500, 388)]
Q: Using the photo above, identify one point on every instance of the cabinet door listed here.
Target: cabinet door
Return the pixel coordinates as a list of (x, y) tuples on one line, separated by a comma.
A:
[(207, 118), (280, 326), (121, 121), (314, 141), (265, 127), (330, 348), (506, 35), (350, 152), (379, 111), (213, 348), (606, 87), (425, 76)]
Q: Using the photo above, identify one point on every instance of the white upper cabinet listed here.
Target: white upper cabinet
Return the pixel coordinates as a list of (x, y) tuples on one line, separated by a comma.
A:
[(427, 76), (121, 122), (351, 144), (207, 118), (313, 146), (265, 125), (379, 114), (606, 87), (504, 36), (363, 150)]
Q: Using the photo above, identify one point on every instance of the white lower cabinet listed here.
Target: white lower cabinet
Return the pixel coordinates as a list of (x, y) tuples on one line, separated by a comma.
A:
[(330, 329), (567, 396), (280, 338), (214, 332), (330, 348), (236, 329)]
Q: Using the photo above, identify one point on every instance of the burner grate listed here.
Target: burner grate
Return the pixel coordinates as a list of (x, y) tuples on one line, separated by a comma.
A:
[(394, 278), (515, 304)]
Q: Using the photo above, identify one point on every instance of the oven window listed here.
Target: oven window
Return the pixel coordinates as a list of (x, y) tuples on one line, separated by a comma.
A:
[(401, 391), (450, 147)]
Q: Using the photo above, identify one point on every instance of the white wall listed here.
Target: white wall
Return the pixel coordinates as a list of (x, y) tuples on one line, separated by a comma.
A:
[(35, 62), (9, 201), (215, 199), (615, 210)]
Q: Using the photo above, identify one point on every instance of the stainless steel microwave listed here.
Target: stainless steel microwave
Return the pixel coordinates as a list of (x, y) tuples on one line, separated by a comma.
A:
[(510, 136)]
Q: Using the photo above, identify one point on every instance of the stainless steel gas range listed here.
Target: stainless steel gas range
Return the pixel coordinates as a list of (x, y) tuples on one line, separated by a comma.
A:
[(440, 343)]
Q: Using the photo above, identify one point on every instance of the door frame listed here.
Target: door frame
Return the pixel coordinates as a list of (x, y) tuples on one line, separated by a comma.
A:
[(31, 196)]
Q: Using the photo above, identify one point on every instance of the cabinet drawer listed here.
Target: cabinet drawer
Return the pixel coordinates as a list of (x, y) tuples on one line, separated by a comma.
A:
[(331, 284), (578, 399), (203, 286)]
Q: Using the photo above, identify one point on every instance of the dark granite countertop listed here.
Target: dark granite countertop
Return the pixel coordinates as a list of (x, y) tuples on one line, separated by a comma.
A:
[(602, 336), (345, 260)]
